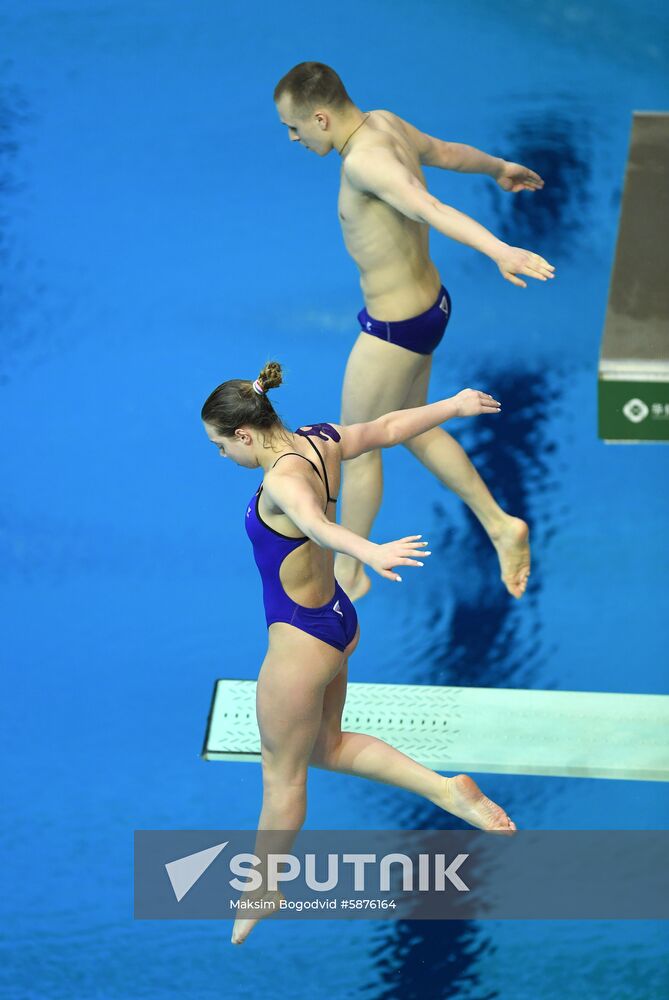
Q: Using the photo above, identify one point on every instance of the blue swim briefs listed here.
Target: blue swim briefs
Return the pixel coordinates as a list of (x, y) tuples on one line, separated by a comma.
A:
[(421, 334)]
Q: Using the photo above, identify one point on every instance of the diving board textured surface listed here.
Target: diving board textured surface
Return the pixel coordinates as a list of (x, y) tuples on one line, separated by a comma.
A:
[(499, 731), (634, 361)]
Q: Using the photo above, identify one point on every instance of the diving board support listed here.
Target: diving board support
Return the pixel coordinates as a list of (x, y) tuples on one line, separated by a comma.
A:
[(493, 730), (634, 361)]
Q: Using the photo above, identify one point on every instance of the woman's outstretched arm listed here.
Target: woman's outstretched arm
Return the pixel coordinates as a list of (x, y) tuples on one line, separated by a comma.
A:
[(401, 425), (302, 504)]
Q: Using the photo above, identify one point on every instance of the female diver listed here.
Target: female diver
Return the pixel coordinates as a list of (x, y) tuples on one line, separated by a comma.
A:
[(312, 625)]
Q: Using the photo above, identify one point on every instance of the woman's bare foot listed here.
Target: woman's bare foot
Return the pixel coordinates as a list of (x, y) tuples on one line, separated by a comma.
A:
[(352, 577), (513, 550), (263, 905), (463, 797)]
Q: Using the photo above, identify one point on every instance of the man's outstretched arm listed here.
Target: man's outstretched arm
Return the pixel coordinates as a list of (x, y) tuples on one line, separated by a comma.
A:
[(469, 160), (380, 173)]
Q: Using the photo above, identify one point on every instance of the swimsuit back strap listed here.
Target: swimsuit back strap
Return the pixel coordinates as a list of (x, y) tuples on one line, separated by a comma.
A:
[(325, 471), (312, 464)]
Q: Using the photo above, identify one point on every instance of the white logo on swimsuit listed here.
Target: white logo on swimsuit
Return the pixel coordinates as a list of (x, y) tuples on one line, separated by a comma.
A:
[(368, 325), (248, 511), (335, 607), (635, 410), (443, 305)]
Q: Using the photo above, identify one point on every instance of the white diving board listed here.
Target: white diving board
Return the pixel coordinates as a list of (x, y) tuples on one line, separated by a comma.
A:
[(493, 730)]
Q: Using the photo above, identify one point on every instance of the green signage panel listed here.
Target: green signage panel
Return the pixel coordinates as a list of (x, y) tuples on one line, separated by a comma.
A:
[(633, 411)]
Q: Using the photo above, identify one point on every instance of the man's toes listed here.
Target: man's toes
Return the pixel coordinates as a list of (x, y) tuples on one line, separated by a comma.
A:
[(513, 587)]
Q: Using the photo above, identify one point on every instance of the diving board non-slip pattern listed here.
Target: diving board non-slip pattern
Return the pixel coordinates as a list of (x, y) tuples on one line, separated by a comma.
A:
[(499, 731)]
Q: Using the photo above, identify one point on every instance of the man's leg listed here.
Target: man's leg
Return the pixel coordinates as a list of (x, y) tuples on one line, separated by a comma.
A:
[(377, 380), (445, 458), (382, 377)]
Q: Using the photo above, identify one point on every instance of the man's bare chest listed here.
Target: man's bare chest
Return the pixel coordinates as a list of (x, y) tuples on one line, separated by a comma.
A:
[(351, 204), (361, 215)]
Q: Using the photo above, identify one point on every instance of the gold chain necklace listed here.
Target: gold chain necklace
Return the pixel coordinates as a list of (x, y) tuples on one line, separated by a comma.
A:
[(353, 132)]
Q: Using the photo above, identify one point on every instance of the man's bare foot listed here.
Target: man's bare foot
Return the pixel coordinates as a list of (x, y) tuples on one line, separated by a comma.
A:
[(264, 905), (352, 578), (463, 797), (513, 549)]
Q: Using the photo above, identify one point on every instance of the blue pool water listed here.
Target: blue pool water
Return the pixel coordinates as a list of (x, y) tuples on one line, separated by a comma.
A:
[(158, 236)]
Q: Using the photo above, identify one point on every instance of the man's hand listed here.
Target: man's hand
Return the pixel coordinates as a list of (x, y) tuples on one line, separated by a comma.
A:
[(472, 403), (399, 553), (515, 177), (513, 260)]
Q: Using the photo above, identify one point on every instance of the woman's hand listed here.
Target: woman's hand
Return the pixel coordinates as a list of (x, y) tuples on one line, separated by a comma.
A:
[(403, 552), (473, 402)]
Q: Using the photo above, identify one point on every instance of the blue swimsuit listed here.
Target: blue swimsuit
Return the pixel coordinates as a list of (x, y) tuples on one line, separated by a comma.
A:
[(335, 622), (420, 334)]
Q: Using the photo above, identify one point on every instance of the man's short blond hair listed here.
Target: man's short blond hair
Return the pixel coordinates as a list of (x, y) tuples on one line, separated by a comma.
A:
[(310, 84)]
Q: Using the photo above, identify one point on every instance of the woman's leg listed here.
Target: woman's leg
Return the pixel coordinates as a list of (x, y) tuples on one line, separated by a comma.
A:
[(289, 705), (369, 757), (300, 697)]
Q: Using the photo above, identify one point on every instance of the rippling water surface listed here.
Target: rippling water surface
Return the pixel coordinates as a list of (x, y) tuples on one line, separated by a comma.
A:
[(157, 235)]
